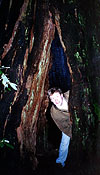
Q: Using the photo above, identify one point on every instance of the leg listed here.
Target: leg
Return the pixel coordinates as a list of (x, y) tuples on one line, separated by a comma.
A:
[(63, 150)]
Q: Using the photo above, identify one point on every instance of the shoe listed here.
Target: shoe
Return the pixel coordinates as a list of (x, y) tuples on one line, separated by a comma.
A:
[(59, 165)]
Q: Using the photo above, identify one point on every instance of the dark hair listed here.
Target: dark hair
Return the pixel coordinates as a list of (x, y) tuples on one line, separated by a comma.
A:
[(53, 90)]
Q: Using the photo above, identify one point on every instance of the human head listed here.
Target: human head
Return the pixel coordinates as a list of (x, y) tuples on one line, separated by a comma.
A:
[(56, 96)]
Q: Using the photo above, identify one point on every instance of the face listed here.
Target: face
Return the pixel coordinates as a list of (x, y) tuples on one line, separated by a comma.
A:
[(57, 98)]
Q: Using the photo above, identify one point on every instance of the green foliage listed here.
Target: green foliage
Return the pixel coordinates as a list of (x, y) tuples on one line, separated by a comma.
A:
[(81, 20), (9, 89), (6, 81), (71, 1), (97, 110), (79, 58), (4, 143), (95, 43), (1, 72), (83, 53), (76, 119)]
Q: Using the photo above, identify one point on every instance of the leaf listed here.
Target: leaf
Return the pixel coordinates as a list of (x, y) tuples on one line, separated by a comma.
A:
[(9, 145), (1, 72), (9, 89), (1, 145)]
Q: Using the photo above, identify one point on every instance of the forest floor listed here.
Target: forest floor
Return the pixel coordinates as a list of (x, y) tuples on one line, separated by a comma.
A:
[(81, 165), (85, 166), (47, 166)]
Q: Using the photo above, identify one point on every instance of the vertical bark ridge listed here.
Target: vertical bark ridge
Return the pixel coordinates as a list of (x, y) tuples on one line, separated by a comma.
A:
[(35, 89), (8, 46)]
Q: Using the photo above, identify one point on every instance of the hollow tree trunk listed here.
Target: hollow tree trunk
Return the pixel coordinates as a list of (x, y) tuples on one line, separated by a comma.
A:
[(28, 58), (74, 36), (25, 47)]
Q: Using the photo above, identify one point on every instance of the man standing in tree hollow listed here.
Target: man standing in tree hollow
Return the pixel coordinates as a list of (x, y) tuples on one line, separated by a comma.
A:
[(61, 116)]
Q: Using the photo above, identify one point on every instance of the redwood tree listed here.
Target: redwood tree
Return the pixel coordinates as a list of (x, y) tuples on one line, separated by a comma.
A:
[(27, 30), (27, 53)]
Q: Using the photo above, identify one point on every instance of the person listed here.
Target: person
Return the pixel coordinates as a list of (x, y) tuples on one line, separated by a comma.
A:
[(61, 116)]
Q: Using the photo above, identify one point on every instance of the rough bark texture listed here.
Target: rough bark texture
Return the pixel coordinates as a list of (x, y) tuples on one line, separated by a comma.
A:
[(26, 34), (28, 69), (35, 85), (76, 42)]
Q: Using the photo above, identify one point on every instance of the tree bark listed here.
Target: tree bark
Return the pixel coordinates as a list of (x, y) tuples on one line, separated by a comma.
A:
[(28, 60), (26, 34)]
